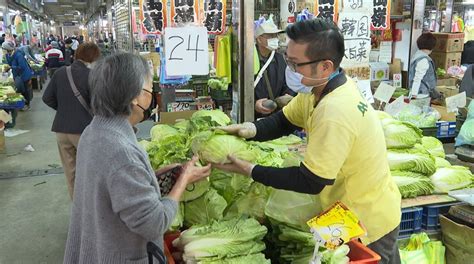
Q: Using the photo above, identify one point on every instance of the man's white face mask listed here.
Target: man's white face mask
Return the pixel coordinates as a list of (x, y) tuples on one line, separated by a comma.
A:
[(293, 80), (273, 43)]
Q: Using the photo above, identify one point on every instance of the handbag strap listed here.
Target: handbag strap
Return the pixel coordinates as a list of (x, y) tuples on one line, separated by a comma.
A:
[(76, 91), (154, 251), (269, 86)]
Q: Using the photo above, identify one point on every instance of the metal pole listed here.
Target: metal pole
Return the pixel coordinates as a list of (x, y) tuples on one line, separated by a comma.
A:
[(242, 62), (132, 37)]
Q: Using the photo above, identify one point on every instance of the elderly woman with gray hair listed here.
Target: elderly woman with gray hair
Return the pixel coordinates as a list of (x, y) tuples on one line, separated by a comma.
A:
[(117, 205)]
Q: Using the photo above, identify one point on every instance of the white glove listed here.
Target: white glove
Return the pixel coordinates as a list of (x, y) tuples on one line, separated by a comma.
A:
[(244, 130)]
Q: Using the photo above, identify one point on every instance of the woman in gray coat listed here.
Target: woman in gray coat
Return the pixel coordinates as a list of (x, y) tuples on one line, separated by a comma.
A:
[(117, 205)]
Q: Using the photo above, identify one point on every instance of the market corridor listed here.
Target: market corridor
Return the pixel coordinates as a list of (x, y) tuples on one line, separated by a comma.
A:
[(34, 200)]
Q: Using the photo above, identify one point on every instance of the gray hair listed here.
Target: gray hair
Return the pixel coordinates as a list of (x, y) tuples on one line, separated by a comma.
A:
[(115, 81)]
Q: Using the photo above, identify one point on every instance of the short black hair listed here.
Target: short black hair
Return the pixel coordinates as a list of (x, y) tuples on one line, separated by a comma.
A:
[(325, 40), (68, 41), (3, 35), (426, 41)]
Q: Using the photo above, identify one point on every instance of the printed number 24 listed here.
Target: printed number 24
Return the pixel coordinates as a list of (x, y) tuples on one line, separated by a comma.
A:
[(180, 42)]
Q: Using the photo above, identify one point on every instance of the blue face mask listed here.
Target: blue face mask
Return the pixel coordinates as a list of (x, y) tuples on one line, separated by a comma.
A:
[(293, 80)]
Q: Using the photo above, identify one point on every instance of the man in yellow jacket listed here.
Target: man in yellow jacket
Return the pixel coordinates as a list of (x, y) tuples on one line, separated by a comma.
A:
[(346, 158)]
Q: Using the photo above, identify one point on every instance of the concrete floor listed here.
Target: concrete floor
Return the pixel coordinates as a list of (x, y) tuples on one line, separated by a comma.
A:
[(34, 202)]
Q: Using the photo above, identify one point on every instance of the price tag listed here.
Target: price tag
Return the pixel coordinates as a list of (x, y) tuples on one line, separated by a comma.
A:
[(384, 92), (365, 90), (396, 106), (397, 80), (186, 51), (205, 106), (178, 107), (336, 226), (455, 101)]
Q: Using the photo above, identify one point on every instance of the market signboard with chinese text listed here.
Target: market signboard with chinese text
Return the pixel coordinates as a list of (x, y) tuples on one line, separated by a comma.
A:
[(214, 16), (381, 15), (184, 11), (152, 16), (326, 9), (355, 27)]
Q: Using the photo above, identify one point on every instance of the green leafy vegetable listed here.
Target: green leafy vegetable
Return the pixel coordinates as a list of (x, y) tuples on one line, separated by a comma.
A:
[(433, 146), (252, 204), (215, 148), (414, 159), (292, 208), (400, 135), (337, 256), (195, 190), (412, 184), (451, 178), (287, 140), (248, 259), (441, 163), (161, 132), (205, 209), (222, 240), (230, 185), (173, 149), (179, 218)]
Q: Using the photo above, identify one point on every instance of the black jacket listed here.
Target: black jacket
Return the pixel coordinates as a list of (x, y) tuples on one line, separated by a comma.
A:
[(71, 117), (276, 77)]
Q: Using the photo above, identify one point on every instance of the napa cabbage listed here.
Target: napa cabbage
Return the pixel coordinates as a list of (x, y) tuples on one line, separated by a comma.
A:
[(451, 178)]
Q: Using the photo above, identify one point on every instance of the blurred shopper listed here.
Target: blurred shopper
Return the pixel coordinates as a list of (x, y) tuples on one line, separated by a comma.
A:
[(54, 58), (28, 51), (68, 52), (68, 93), (422, 71), (118, 207), (21, 70)]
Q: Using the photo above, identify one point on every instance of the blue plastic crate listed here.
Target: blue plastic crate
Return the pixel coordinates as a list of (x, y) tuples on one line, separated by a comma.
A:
[(431, 215), (446, 129), (411, 221), (16, 105)]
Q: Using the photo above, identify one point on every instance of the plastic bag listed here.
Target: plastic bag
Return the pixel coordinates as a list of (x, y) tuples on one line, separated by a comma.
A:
[(419, 116), (466, 134), (420, 250)]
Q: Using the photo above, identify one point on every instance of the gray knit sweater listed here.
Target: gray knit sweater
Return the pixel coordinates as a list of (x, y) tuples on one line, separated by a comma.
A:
[(117, 206)]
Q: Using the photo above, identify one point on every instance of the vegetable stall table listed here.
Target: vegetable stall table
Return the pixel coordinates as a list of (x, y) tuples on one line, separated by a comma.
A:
[(39, 76), (12, 108)]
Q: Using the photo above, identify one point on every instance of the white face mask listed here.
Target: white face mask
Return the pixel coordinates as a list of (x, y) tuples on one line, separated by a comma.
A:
[(293, 80), (273, 43)]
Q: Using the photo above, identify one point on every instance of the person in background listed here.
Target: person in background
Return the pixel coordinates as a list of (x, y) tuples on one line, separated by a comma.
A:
[(467, 83), (118, 208), (75, 43), (27, 51), (2, 39), (467, 57), (68, 52), (22, 72), (54, 58), (346, 155), (71, 116), (272, 84), (422, 71)]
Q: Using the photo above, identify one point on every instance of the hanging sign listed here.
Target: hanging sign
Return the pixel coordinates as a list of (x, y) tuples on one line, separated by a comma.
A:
[(326, 9), (381, 15), (357, 5), (214, 16), (152, 16), (355, 29), (184, 11), (186, 51)]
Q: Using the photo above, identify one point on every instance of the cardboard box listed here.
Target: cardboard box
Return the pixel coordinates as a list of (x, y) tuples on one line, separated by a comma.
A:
[(379, 71), (445, 116), (447, 91), (449, 42), (446, 82), (170, 118), (445, 60), (458, 240)]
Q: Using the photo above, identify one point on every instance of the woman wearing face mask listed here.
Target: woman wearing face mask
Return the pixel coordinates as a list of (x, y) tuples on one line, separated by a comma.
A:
[(118, 206), (72, 108), (270, 83)]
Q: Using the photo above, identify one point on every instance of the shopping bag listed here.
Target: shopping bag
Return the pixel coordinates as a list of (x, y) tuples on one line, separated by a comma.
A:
[(435, 251)]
